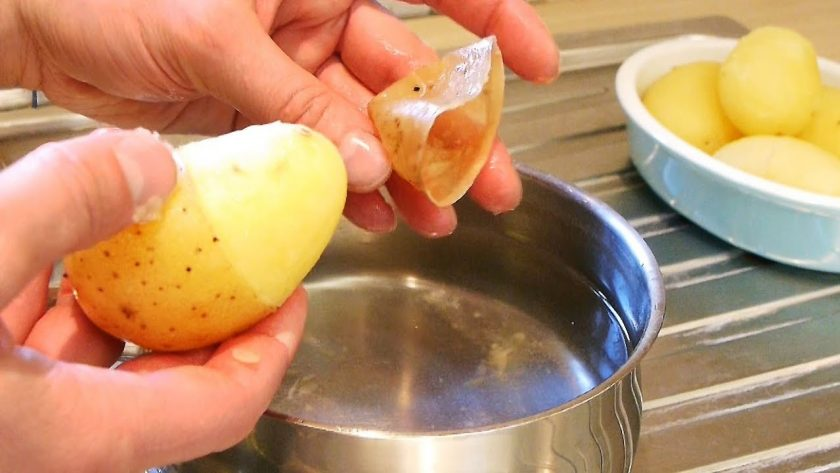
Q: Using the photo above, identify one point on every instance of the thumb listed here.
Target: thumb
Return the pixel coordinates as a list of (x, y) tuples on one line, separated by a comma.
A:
[(68, 195), (251, 73)]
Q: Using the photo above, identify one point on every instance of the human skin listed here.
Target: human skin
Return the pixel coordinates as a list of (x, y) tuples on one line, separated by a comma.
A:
[(197, 66), (212, 66)]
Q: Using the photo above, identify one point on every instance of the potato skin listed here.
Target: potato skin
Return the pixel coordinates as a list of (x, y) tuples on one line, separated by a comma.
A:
[(686, 102), (165, 285), (769, 82), (785, 160), (250, 216), (824, 128)]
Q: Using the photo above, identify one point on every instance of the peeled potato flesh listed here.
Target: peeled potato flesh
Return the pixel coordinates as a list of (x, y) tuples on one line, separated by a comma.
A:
[(769, 82), (250, 216), (785, 160), (438, 123), (824, 128), (686, 102)]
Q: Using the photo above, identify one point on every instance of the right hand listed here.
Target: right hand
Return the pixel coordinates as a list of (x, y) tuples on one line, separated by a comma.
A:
[(210, 66)]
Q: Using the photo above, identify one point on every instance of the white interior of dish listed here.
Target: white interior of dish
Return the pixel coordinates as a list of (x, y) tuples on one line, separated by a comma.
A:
[(640, 70)]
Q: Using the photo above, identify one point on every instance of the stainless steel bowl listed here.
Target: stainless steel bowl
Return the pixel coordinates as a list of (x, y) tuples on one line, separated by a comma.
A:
[(511, 346)]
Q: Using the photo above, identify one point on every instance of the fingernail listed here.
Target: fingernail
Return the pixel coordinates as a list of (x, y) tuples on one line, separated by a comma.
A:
[(245, 356), (365, 160), (287, 339), (149, 171), (104, 131)]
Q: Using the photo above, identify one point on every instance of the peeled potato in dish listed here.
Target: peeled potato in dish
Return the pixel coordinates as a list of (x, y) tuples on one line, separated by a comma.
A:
[(251, 214), (786, 160), (438, 123)]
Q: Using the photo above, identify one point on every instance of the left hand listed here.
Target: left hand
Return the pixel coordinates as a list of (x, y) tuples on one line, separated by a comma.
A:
[(210, 66), (61, 408)]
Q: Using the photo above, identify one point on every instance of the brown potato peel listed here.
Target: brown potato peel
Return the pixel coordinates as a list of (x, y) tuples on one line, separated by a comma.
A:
[(438, 123)]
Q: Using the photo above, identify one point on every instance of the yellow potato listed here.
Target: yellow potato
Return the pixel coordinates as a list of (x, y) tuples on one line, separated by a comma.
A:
[(824, 128), (251, 214), (786, 160), (769, 82), (686, 102)]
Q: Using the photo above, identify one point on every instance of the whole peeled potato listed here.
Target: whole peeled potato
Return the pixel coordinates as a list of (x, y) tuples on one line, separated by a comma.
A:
[(769, 83), (250, 216), (686, 102), (786, 160), (824, 128)]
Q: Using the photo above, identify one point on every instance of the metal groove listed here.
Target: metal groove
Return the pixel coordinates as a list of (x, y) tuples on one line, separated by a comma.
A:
[(773, 456), (741, 385), (716, 322)]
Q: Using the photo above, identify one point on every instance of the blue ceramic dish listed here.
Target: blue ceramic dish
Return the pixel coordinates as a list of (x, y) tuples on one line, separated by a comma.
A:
[(778, 222)]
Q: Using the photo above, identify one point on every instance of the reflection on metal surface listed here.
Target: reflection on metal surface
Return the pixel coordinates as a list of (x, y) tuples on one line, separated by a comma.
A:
[(428, 356)]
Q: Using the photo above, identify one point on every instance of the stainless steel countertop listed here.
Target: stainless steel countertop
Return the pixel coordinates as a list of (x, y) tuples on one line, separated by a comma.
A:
[(745, 375)]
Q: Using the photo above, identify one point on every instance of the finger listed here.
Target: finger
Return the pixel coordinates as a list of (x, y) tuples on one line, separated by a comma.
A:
[(67, 195), (370, 211), (25, 309), (65, 333), (229, 393), (419, 212), (160, 361), (251, 73), (498, 187), (526, 42), (378, 48), (335, 75)]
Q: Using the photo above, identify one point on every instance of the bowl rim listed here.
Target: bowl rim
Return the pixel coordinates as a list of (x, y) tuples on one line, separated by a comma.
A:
[(656, 292), (629, 98)]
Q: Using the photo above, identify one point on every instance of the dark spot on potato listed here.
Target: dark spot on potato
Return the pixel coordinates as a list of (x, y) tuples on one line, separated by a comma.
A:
[(171, 329), (106, 253), (193, 308), (89, 277), (99, 289), (218, 295), (136, 264), (154, 303), (151, 262), (143, 282), (215, 239), (150, 248), (416, 88), (198, 250), (397, 123), (204, 315), (127, 312), (115, 275), (138, 232), (189, 269), (183, 210), (64, 275), (160, 288), (236, 169), (177, 286), (143, 327), (232, 297)]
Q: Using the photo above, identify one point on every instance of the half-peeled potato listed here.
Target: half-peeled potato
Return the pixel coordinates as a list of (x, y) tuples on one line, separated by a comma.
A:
[(438, 123)]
